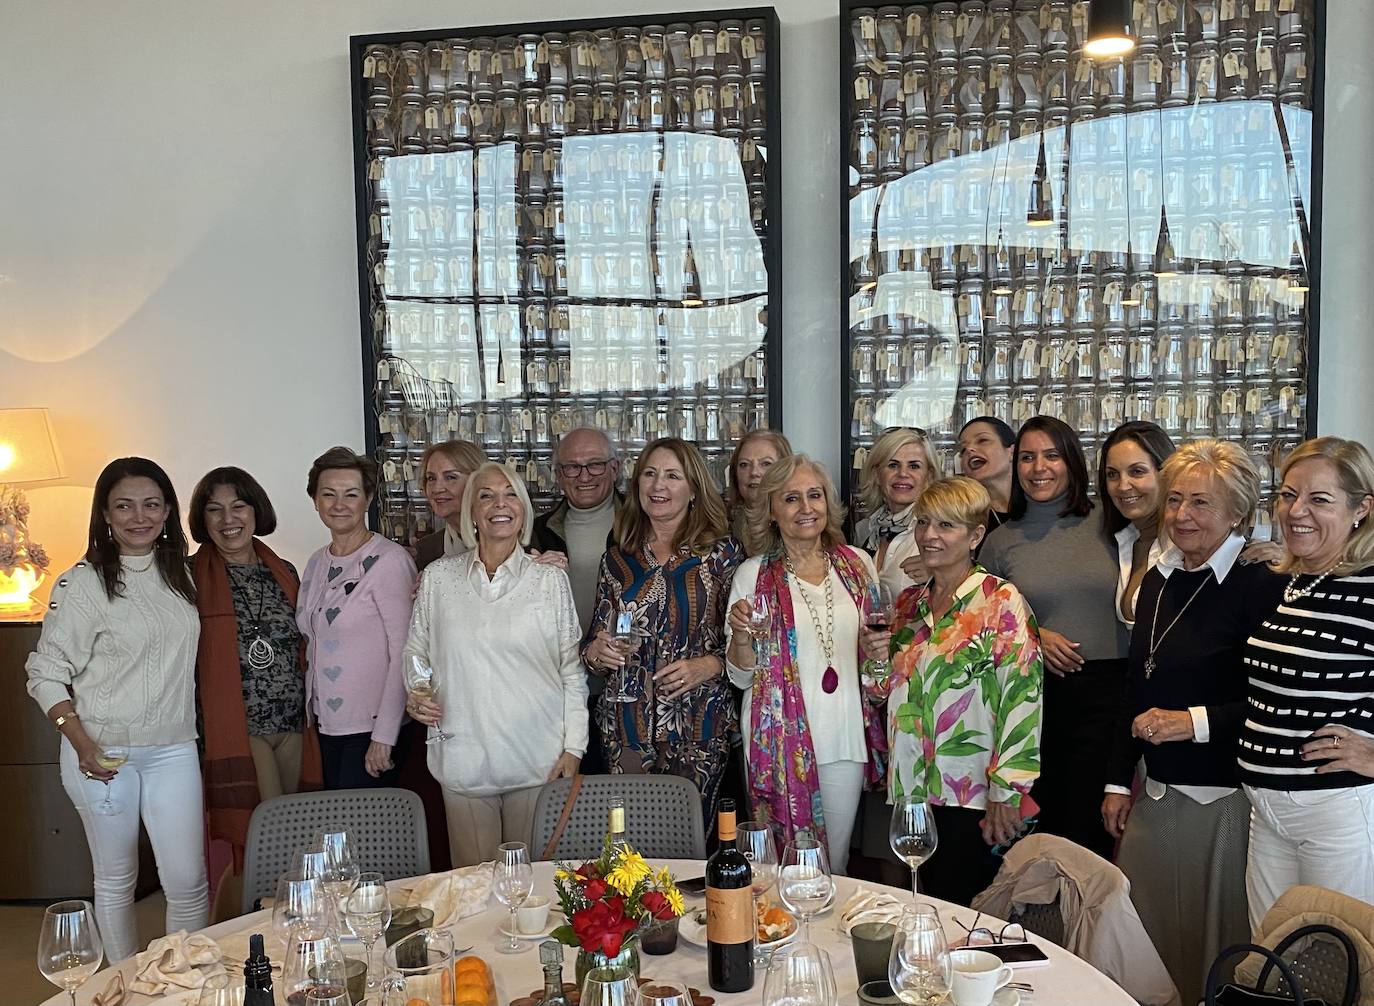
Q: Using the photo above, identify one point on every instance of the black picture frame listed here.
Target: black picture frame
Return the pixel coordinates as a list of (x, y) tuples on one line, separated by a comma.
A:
[(771, 316), (846, 101)]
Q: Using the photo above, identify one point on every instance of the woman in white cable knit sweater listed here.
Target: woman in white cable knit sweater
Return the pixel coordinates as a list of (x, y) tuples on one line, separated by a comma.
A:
[(118, 654)]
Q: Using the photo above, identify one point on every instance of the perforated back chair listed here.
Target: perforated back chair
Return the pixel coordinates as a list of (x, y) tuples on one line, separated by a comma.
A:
[(662, 817), (1045, 921), (387, 827)]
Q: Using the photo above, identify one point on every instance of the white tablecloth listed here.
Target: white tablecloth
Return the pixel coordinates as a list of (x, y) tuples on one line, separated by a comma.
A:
[(1066, 981)]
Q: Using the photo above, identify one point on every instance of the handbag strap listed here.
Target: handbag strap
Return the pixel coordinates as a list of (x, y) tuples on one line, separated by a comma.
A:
[(1272, 959), (1352, 969), (563, 817)]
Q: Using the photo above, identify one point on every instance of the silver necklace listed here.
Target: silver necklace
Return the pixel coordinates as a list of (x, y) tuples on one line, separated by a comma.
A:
[(1293, 593), (139, 569), (830, 680), (261, 653), (1154, 622)]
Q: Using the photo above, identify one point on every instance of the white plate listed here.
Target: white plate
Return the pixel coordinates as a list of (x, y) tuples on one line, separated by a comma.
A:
[(694, 931), (1003, 997), (555, 920)]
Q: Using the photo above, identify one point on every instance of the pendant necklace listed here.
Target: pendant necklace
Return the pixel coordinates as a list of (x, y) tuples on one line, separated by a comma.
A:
[(261, 653), (830, 680), (1154, 622)]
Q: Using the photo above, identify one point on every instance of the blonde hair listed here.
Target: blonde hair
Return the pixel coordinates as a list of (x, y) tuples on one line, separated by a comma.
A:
[(958, 499), (706, 522), (884, 451), (465, 520), (1229, 464), (762, 536), (780, 444), (464, 455), (1355, 472)]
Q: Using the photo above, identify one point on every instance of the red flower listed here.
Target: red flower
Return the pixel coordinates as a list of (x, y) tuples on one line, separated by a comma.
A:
[(594, 889), (602, 927), (588, 871), (657, 905)]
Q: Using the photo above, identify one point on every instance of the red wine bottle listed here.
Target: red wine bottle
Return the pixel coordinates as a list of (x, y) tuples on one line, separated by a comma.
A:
[(730, 923), (257, 975)]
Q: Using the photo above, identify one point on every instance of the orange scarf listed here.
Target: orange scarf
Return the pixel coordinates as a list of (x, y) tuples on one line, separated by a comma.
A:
[(231, 782)]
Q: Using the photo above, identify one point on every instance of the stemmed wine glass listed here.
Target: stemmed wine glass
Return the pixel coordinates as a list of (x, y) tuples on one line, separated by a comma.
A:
[(760, 623), (340, 868), (220, 990), (755, 840), (301, 908), (799, 975), (919, 967), (368, 910), (628, 639), (804, 881), (312, 963), (113, 755), (512, 881), (912, 834), (420, 683), (69, 946), (878, 605)]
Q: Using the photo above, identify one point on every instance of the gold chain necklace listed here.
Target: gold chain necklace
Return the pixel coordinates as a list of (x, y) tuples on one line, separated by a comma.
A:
[(830, 680)]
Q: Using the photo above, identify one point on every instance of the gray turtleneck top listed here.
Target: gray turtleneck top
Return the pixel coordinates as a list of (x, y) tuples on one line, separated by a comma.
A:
[(1067, 569)]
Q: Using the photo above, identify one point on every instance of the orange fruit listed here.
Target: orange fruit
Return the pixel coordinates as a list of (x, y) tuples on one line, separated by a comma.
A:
[(470, 995), (470, 963)]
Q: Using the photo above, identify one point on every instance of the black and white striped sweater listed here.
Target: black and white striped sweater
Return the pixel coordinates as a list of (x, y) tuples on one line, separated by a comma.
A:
[(1309, 663)]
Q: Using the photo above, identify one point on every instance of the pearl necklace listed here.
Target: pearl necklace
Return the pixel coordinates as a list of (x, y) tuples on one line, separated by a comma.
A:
[(1290, 594), (830, 680)]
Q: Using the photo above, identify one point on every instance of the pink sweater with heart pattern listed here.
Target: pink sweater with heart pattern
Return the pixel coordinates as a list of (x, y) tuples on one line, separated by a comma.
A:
[(354, 611)]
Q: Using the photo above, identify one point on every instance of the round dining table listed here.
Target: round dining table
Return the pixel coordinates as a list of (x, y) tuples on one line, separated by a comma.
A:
[(1065, 981)]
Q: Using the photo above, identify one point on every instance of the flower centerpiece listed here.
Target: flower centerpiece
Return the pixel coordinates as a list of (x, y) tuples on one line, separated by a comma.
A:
[(22, 560), (609, 902)]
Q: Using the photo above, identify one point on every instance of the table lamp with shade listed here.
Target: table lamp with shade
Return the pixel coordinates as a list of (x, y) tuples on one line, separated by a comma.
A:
[(28, 455)]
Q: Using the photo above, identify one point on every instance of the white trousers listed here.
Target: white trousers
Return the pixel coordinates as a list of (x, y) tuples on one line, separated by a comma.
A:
[(162, 786), (842, 783), (1323, 837)]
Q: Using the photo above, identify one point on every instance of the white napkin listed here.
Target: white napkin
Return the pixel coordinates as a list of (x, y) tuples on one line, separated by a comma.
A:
[(454, 895), (180, 960), (869, 906)]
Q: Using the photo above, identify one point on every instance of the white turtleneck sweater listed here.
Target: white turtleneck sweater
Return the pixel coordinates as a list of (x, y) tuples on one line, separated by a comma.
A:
[(586, 531), (129, 661)]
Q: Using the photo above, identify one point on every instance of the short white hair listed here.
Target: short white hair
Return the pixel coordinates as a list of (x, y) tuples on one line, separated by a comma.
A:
[(470, 493)]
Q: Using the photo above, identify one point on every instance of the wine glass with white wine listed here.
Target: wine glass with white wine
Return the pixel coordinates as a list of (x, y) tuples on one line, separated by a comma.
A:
[(628, 639), (69, 946), (419, 681), (912, 833), (113, 755)]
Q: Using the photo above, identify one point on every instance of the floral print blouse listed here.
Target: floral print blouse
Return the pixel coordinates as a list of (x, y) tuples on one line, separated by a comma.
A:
[(964, 696)]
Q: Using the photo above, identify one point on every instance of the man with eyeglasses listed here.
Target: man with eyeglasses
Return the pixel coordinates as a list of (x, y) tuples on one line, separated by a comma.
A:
[(585, 468)]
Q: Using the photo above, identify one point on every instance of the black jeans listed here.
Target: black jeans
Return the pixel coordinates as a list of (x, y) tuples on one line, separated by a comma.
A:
[(1081, 714), (341, 758), (963, 864)]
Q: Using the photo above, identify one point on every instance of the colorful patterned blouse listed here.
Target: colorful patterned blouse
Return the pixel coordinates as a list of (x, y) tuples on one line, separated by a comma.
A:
[(964, 696), (681, 607)]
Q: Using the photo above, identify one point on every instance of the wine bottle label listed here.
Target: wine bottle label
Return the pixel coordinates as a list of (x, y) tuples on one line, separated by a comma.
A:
[(729, 915)]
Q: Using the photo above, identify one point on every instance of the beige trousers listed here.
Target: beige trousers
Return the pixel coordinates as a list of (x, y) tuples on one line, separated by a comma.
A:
[(478, 824), (277, 759)]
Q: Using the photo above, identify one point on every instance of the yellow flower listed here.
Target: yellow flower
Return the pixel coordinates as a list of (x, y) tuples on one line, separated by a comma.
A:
[(563, 875), (674, 897), (628, 872), (663, 879)]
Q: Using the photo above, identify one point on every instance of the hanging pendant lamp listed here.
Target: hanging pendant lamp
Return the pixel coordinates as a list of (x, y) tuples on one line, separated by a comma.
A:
[(1110, 33)]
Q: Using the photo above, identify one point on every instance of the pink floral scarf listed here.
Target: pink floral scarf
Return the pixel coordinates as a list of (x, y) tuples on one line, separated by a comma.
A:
[(784, 787)]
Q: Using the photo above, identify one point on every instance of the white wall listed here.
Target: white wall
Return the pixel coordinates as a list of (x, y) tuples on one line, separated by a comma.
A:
[(177, 253)]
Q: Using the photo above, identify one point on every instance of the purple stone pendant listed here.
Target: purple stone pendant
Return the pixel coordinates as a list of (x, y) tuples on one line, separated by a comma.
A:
[(830, 680)]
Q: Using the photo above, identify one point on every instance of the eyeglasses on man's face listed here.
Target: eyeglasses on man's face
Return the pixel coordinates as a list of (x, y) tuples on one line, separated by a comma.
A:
[(592, 468)]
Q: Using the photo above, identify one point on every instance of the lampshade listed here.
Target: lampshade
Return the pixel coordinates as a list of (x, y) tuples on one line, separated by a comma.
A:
[(1110, 32), (28, 449)]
